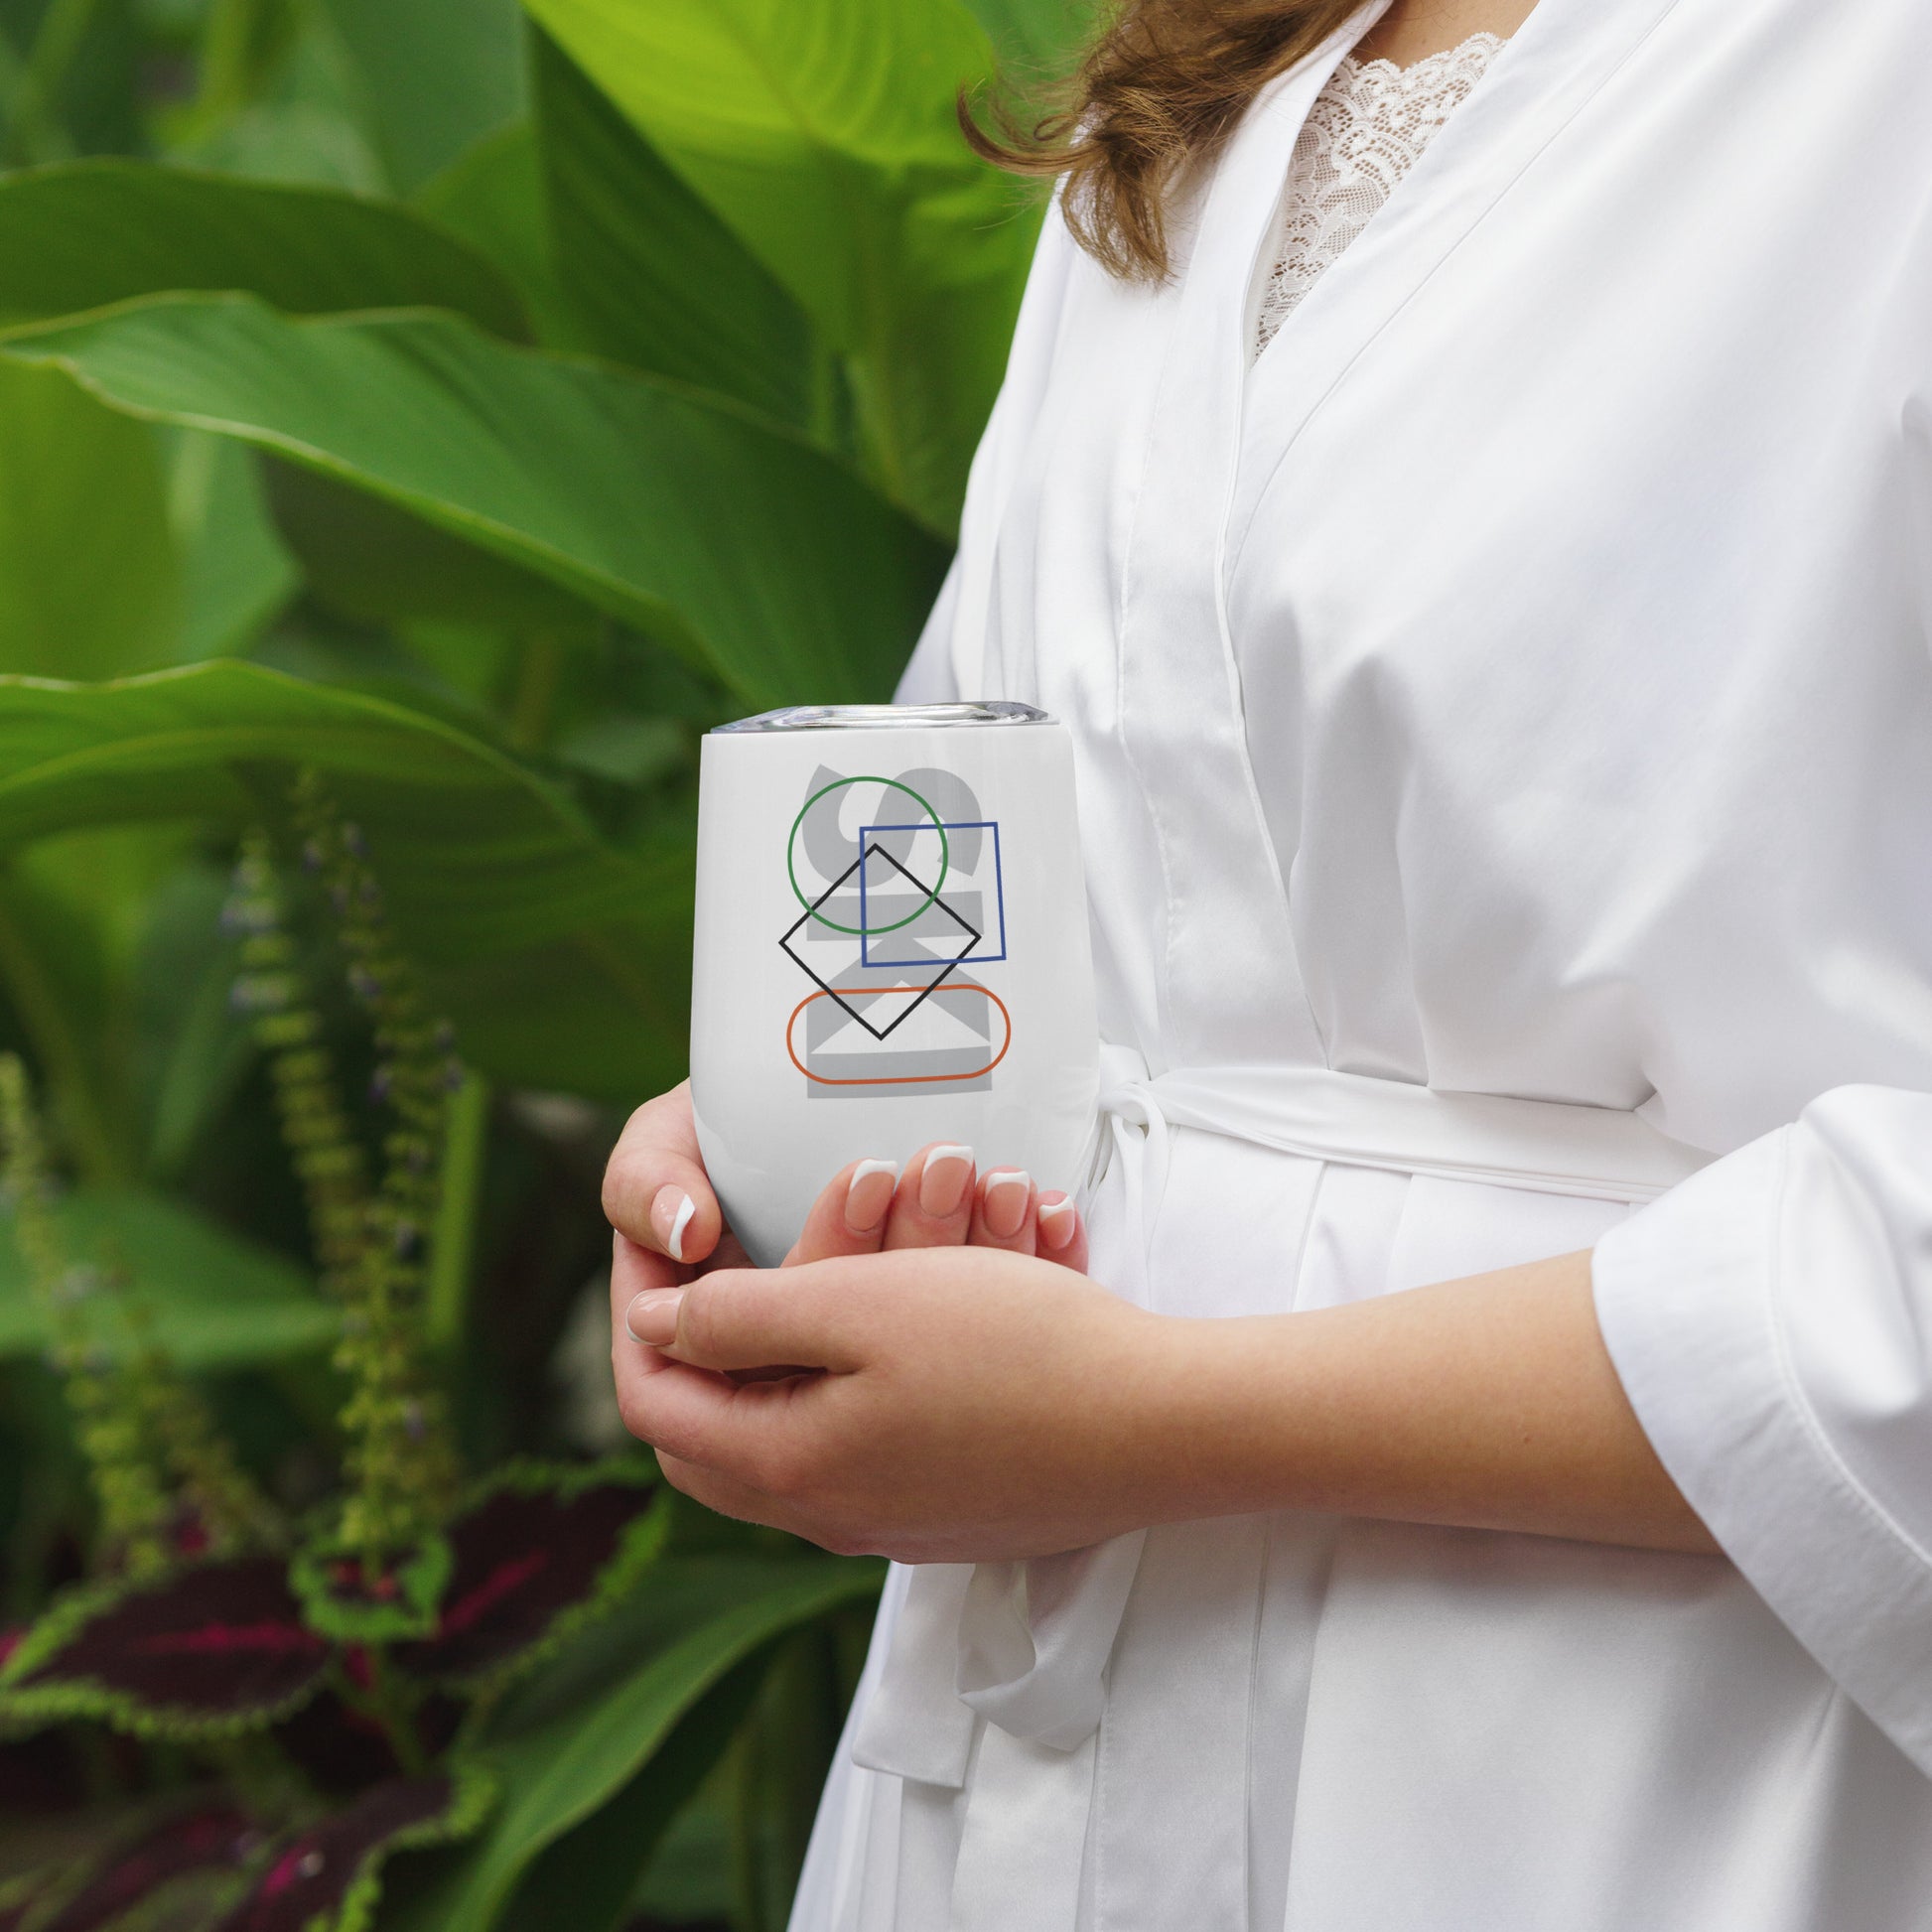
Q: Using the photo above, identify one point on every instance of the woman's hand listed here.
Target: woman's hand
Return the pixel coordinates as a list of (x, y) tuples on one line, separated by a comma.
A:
[(669, 1230), (946, 1403), (955, 1404)]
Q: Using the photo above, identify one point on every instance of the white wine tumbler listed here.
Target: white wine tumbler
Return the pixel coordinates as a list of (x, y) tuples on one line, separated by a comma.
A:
[(892, 948)]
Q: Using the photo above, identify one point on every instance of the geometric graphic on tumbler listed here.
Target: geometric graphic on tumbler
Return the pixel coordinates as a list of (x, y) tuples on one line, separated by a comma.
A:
[(901, 887)]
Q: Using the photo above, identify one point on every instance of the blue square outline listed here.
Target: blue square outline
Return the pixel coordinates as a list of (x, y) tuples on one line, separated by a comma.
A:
[(992, 825)]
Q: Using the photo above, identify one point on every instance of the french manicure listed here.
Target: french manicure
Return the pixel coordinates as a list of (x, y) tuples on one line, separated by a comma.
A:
[(869, 1193), (651, 1316), (947, 1175), (670, 1215), (1005, 1207), (1058, 1220)]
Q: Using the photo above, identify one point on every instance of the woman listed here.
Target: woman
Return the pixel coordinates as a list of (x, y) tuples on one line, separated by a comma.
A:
[(1504, 717)]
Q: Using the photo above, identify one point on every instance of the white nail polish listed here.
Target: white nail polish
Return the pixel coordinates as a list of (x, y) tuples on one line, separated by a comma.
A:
[(1055, 1220), (999, 1221), (937, 1195), (866, 1168), (674, 1241)]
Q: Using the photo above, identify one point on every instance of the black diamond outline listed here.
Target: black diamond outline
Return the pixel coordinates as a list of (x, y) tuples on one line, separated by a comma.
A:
[(950, 967)]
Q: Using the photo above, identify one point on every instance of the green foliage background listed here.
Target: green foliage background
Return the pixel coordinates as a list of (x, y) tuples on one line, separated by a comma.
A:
[(471, 405)]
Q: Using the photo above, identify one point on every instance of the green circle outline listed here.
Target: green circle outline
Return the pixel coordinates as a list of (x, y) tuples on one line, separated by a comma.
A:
[(791, 846)]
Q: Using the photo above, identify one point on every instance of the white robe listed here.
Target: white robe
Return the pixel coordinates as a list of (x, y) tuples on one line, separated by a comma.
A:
[(1518, 682)]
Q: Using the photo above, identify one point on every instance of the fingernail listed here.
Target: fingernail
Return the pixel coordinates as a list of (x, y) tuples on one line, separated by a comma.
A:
[(1007, 1196), (942, 1186), (869, 1193), (652, 1316), (670, 1215), (1056, 1221)]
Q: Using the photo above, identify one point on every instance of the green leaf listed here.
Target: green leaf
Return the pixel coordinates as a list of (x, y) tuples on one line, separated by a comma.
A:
[(1036, 37), (73, 921), (88, 579), (237, 574), (340, 1602), (376, 564), (657, 279), (740, 544), (824, 133), (492, 196), (279, 100), (219, 1301), (585, 1882), (93, 232), (558, 1766), (436, 74), (496, 880)]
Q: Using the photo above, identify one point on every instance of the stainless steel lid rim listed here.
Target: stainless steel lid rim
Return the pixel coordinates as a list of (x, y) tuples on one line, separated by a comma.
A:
[(888, 717)]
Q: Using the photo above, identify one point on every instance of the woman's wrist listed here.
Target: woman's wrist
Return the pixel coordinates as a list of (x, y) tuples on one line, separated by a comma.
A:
[(1485, 1402)]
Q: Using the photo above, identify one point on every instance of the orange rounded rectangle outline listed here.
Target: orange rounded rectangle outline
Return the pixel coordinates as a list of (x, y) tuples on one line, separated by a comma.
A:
[(899, 1079)]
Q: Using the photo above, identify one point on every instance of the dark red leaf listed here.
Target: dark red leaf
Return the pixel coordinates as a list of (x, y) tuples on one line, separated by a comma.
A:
[(341, 1750), (525, 1558), (208, 1647), (314, 1874), (214, 1837)]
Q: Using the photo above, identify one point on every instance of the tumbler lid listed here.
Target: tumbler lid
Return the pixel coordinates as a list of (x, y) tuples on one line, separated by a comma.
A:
[(887, 716)]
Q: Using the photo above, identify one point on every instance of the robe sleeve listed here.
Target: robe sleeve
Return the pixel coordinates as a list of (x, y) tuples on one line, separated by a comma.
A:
[(929, 674), (1771, 1322), (950, 661)]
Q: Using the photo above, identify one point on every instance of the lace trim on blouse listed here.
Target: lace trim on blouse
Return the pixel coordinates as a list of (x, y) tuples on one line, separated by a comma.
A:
[(1367, 129)]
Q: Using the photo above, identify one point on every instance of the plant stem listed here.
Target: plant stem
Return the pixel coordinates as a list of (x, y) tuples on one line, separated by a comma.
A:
[(390, 1711)]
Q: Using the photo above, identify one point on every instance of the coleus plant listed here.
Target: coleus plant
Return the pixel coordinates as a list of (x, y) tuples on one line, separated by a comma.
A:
[(321, 1679)]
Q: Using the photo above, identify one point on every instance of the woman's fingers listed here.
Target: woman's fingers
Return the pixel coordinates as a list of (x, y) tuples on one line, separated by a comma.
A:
[(1059, 1234), (1003, 1211), (655, 1190), (849, 1217), (933, 1207), (733, 1321)]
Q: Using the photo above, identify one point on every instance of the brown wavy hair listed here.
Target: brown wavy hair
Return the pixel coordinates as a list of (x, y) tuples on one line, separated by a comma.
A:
[(1158, 92)]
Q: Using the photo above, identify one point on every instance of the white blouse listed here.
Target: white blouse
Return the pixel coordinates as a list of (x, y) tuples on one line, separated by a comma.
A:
[(1367, 129)]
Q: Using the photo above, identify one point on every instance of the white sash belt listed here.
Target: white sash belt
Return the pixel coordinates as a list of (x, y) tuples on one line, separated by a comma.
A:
[(1025, 1645)]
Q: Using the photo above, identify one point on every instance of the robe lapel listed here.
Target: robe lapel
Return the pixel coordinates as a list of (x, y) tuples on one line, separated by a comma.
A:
[(1557, 61), (1228, 985)]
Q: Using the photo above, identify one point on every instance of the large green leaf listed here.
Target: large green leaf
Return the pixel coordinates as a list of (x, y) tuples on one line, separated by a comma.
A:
[(94, 232), (237, 572), (824, 133), (377, 564), (586, 1880), (216, 1300), (494, 879), (656, 278), (89, 578), (1035, 38), (558, 1764), (280, 102), (724, 536), (492, 194), (436, 74)]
